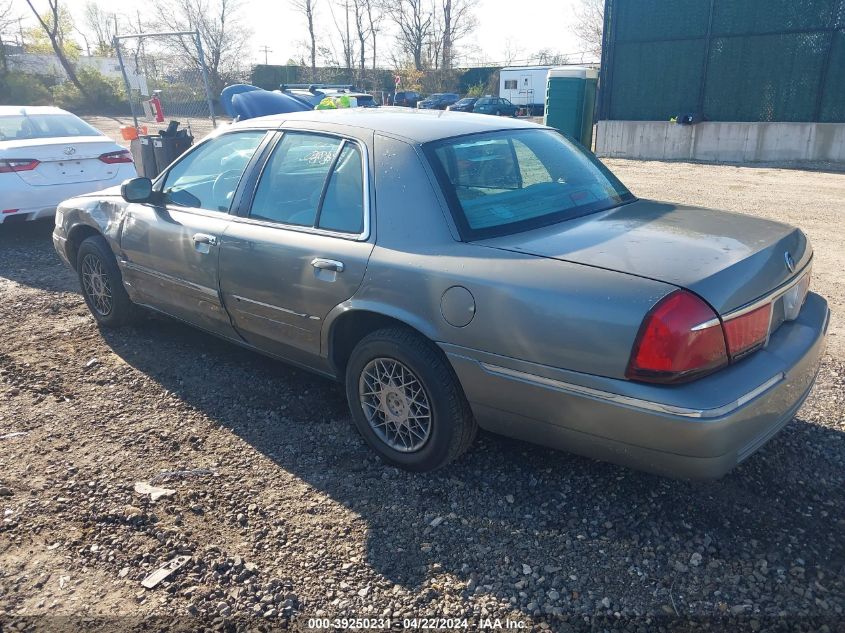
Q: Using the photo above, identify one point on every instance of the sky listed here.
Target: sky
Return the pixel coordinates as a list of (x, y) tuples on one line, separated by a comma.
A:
[(504, 31)]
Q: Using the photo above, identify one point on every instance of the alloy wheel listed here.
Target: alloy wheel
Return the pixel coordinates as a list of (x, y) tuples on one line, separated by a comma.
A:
[(96, 284), (395, 404)]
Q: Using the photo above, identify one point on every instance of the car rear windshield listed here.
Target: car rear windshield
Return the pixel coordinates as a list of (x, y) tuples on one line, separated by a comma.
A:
[(500, 183), (19, 127)]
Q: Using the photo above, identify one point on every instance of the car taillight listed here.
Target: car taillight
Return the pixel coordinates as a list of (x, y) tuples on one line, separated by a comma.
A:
[(8, 165), (123, 156), (681, 338), (747, 332)]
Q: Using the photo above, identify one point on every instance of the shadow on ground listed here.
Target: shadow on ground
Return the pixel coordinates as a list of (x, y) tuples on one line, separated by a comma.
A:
[(590, 529), (27, 257)]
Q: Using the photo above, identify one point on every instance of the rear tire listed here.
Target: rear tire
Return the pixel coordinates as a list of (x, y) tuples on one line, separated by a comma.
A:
[(406, 401), (102, 284)]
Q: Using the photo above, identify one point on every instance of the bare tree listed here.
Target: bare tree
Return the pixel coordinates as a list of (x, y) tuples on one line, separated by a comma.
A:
[(375, 15), (361, 30), (345, 33), (7, 16), (548, 57), (512, 51), (51, 22), (589, 25), (224, 38), (101, 25), (307, 8), (434, 43), (458, 22), (413, 23)]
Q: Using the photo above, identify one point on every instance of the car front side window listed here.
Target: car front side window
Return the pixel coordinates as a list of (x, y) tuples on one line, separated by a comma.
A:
[(208, 176)]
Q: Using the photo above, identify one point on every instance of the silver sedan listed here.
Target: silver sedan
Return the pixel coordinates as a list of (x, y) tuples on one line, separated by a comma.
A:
[(459, 271)]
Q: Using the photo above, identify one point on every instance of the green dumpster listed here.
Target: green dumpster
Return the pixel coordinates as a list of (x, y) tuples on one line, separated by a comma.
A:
[(571, 100)]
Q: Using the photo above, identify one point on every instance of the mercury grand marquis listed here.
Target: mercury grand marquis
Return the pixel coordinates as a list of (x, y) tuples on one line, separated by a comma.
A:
[(458, 271)]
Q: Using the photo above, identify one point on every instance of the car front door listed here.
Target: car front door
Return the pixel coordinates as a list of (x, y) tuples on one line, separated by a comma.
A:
[(301, 245), (170, 246)]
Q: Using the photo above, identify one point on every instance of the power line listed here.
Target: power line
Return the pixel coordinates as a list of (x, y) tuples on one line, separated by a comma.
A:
[(265, 49), (535, 60)]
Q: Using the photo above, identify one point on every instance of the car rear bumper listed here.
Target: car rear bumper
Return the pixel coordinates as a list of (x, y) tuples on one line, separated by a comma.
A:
[(27, 214), (37, 202), (700, 430)]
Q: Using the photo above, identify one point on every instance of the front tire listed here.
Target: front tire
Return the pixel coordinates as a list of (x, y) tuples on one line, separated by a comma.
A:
[(102, 284), (406, 401)]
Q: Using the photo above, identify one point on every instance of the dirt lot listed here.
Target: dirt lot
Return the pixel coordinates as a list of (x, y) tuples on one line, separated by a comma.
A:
[(286, 515), (110, 125)]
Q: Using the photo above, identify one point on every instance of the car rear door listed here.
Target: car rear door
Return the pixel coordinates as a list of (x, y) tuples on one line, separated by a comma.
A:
[(170, 249), (300, 245)]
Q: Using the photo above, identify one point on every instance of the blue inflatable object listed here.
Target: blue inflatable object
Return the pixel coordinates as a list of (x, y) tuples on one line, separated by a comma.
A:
[(243, 102), (229, 92)]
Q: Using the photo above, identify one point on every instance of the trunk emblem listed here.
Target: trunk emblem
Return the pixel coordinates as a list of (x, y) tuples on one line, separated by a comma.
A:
[(790, 263), (69, 151)]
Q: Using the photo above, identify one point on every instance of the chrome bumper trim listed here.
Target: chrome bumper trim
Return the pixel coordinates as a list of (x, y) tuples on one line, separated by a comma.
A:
[(628, 401), (771, 297)]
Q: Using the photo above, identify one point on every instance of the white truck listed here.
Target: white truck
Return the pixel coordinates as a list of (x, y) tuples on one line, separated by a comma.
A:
[(525, 86)]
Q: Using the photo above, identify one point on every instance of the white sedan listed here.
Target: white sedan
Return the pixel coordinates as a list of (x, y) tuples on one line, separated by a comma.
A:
[(48, 155)]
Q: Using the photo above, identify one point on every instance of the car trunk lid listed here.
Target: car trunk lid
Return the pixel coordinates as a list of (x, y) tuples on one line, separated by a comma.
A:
[(64, 160), (729, 259)]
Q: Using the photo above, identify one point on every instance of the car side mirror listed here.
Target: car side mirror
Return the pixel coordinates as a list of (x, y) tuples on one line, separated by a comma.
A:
[(137, 189)]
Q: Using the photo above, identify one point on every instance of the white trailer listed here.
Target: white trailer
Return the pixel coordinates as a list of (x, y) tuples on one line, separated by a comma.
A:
[(524, 86)]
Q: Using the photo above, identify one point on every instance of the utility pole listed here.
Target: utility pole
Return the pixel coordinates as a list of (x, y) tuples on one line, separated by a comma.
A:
[(265, 49)]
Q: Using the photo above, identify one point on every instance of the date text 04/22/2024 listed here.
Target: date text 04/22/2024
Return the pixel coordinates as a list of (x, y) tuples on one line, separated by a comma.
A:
[(416, 623)]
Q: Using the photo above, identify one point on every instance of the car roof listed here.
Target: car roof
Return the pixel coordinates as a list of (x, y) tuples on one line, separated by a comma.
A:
[(10, 110), (418, 126)]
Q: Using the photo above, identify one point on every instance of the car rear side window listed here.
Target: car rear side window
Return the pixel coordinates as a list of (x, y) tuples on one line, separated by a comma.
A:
[(207, 177), (312, 180), (343, 204), (515, 180)]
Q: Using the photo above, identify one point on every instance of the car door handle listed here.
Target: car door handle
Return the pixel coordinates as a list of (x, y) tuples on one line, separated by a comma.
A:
[(204, 238), (328, 264)]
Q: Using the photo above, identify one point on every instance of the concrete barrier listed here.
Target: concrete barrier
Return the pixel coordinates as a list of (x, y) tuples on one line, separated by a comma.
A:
[(722, 142)]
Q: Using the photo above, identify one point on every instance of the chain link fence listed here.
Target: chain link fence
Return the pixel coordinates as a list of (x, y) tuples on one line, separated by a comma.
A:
[(166, 79), (724, 60)]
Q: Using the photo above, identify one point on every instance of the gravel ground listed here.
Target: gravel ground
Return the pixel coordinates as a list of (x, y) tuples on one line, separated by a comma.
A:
[(285, 515), (110, 125)]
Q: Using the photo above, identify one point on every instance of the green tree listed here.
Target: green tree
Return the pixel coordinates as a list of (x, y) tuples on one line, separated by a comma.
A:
[(57, 25)]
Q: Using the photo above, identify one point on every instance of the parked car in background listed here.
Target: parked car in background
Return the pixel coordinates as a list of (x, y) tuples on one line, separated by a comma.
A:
[(543, 301), (48, 155), (495, 105), (438, 101), (407, 98), (313, 94), (463, 105)]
